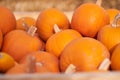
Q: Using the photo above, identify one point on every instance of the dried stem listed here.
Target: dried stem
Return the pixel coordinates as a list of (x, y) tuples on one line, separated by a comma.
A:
[(24, 24), (99, 2), (70, 69), (115, 21), (39, 64), (1, 55), (32, 30), (105, 64), (56, 28), (31, 64)]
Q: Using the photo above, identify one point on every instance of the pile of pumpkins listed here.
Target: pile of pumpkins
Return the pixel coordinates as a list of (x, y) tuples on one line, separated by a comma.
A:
[(52, 43)]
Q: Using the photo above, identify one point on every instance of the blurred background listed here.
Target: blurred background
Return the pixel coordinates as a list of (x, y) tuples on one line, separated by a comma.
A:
[(64, 5)]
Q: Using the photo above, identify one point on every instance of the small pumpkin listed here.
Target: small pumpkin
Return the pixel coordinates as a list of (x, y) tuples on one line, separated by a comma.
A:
[(19, 43), (115, 64), (37, 62), (45, 61), (6, 62), (56, 43), (24, 23), (7, 20), (88, 18), (109, 35), (47, 19), (112, 13), (86, 54)]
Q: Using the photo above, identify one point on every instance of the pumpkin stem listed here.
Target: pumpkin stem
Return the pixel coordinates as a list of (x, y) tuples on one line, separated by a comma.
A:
[(32, 30), (39, 64), (1, 55), (105, 64), (115, 21), (70, 69), (56, 28), (25, 25), (31, 64), (99, 2)]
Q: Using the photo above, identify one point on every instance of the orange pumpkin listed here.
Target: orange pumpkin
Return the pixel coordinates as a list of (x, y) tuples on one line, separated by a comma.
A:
[(56, 43), (44, 63), (19, 43), (109, 35), (47, 19), (115, 64), (86, 54), (112, 13), (25, 22), (6, 62), (7, 20), (88, 18)]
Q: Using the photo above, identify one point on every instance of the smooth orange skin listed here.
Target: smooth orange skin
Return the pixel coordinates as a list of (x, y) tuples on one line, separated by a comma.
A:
[(115, 64), (43, 43), (86, 54), (109, 36), (47, 19), (19, 43), (28, 20), (57, 42), (6, 62), (88, 18), (49, 64), (112, 13), (1, 39), (7, 20)]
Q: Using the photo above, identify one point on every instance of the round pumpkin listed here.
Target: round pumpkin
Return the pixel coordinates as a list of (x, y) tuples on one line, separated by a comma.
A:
[(6, 62), (25, 22), (115, 64), (86, 54), (109, 35), (19, 43), (47, 19), (7, 20), (56, 43), (44, 63), (112, 13), (88, 18)]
